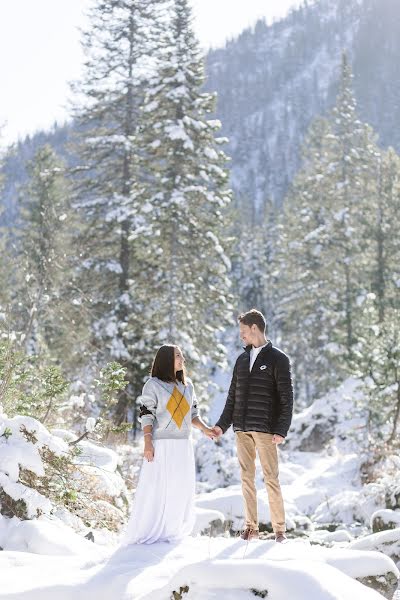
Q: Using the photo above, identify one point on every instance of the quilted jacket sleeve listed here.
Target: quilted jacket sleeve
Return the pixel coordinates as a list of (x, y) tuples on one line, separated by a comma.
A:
[(283, 378), (225, 420)]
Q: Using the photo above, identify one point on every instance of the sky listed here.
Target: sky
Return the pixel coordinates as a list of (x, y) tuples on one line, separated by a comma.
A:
[(41, 53)]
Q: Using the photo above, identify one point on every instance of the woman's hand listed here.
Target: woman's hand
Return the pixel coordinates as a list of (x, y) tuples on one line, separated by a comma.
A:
[(148, 451), (210, 433)]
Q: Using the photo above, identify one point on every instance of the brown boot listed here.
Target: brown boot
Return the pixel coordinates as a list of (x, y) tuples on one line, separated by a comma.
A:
[(249, 534), (280, 537)]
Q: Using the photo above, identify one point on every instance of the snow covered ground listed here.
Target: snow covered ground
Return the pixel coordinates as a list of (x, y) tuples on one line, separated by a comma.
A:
[(329, 513), (210, 567)]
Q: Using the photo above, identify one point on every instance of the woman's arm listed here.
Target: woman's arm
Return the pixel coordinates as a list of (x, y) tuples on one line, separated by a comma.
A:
[(148, 409), (197, 420), (148, 451), (199, 424)]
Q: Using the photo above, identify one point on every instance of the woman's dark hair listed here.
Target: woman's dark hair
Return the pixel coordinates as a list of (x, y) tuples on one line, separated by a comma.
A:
[(163, 365)]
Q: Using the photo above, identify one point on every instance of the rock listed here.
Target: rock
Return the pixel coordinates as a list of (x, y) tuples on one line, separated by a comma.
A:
[(302, 524), (317, 438), (387, 542), (209, 522), (384, 584), (384, 519), (328, 537)]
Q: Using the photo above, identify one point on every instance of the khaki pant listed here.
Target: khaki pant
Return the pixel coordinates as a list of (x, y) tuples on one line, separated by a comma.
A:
[(247, 443)]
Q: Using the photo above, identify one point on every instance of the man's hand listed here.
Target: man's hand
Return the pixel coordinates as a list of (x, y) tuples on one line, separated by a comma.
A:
[(277, 439), (218, 431)]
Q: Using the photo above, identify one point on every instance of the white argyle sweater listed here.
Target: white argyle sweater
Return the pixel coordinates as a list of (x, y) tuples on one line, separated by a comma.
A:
[(168, 407)]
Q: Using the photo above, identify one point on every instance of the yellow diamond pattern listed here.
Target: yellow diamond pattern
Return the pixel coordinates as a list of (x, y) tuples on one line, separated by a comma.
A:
[(178, 406)]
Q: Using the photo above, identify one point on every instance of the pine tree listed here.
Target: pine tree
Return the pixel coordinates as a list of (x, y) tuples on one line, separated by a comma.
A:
[(382, 224), (303, 286), (183, 249), (376, 361), (49, 317), (255, 271), (377, 353), (323, 244), (346, 236), (5, 274), (121, 47)]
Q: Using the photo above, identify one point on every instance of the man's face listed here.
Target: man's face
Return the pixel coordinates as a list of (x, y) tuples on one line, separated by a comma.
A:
[(247, 333)]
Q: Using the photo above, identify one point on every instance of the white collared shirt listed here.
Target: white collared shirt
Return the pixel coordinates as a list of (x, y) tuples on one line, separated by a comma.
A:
[(254, 352)]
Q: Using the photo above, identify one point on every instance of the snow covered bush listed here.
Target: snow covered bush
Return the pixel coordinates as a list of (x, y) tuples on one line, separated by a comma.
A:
[(41, 472), (30, 459)]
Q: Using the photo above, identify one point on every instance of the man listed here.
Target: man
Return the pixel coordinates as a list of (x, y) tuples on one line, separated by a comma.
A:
[(260, 406)]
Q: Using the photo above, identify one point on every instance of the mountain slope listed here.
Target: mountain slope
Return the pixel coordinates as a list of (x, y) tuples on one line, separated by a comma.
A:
[(272, 81)]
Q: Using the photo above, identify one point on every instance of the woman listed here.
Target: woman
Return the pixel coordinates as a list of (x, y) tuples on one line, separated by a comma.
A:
[(163, 507)]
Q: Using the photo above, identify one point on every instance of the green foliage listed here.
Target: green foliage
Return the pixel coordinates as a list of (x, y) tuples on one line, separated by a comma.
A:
[(6, 433), (112, 379), (377, 361), (28, 386)]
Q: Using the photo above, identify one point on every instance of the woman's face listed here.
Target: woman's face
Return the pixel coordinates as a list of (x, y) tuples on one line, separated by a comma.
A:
[(179, 360)]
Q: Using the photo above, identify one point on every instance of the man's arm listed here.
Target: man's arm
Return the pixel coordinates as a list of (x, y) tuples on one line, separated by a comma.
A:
[(283, 378), (225, 420)]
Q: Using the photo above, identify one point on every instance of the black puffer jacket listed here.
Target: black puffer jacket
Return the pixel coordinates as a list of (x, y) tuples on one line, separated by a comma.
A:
[(260, 399)]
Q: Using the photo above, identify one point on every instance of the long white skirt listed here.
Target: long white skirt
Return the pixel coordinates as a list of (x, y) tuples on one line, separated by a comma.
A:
[(163, 506)]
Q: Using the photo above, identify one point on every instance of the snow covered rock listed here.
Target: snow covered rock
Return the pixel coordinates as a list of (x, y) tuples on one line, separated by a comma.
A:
[(387, 542), (23, 440), (384, 519), (44, 536), (322, 536), (208, 521), (275, 579)]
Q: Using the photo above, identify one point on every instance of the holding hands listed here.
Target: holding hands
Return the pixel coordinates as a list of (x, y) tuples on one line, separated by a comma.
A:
[(210, 433), (276, 439), (218, 431)]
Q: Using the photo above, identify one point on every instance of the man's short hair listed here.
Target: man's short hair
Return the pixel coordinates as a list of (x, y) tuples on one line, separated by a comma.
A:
[(253, 317)]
